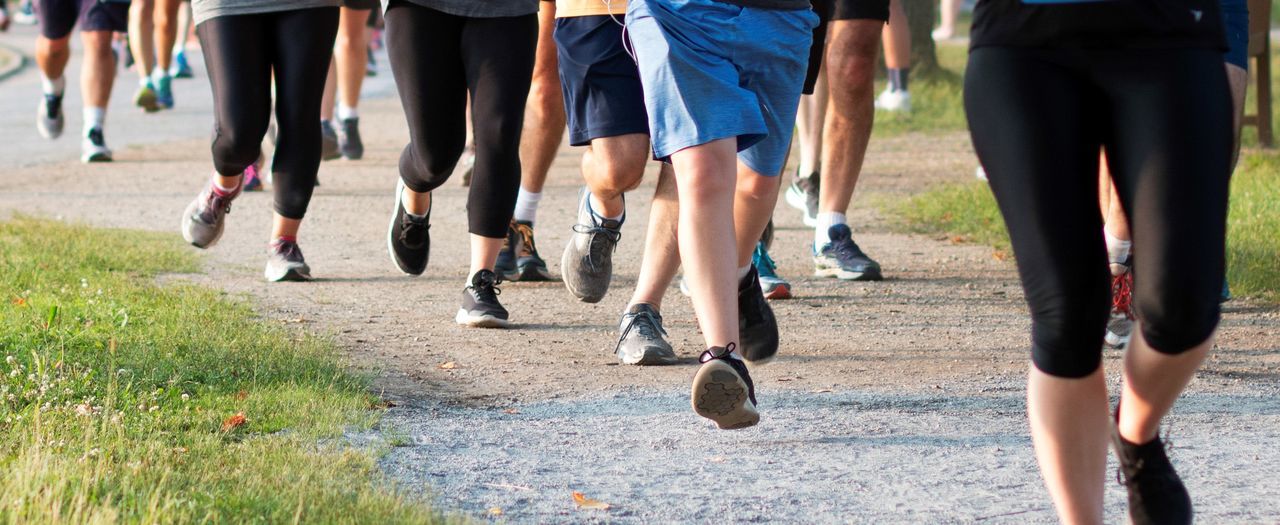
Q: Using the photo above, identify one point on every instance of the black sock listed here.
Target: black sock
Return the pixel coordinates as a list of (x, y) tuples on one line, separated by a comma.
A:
[(898, 78)]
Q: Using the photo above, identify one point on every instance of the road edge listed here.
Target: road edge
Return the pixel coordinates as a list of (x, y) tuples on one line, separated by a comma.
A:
[(19, 63)]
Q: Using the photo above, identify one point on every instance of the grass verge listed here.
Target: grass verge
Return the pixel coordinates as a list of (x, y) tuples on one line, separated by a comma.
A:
[(125, 401)]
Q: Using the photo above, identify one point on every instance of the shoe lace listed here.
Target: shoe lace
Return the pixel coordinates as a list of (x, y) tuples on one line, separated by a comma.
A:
[(646, 323), (1122, 294), (485, 287), (846, 249), (711, 354), (53, 105), (95, 136), (288, 250), (1156, 481), (215, 202), (527, 247), (413, 230), (602, 241)]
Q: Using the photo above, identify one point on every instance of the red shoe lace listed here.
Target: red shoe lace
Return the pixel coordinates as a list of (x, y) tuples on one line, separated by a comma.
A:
[(1122, 294)]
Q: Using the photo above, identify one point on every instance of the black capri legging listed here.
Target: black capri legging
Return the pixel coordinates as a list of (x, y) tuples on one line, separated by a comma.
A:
[(1038, 119), (437, 58), (241, 53)]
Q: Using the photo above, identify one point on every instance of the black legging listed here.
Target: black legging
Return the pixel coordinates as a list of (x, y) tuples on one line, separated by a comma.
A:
[(241, 52), (1038, 119), (437, 58)]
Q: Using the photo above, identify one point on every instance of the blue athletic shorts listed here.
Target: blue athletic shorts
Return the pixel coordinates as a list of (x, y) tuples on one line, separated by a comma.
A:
[(713, 70), (601, 83), (1235, 16)]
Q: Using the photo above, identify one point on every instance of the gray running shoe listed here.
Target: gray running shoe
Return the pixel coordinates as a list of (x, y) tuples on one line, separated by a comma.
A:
[(49, 118), (204, 218), (328, 142), (587, 264), (480, 307), (93, 148), (1120, 324), (643, 340), (286, 262), (349, 143)]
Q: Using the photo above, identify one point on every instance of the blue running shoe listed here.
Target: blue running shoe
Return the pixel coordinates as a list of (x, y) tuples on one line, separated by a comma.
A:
[(774, 287), (181, 68), (164, 92), (843, 259)]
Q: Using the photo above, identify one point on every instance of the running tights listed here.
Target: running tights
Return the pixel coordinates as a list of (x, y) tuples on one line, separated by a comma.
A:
[(1038, 119), (437, 58), (243, 53)]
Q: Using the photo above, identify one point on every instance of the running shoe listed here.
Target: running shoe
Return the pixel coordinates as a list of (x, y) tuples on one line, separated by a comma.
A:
[(93, 148), (587, 264), (757, 326), (843, 259), (205, 217), (349, 143), (26, 14), (802, 195), (894, 100), (146, 98), (408, 237), (684, 287), (164, 92), (1156, 493), (767, 236), (180, 68), (723, 391), (252, 178), (642, 340), (519, 259), (49, 117), (1120, 324), (328, 142), (773, 286), (1226, 291), (480, 306), (285, 262)]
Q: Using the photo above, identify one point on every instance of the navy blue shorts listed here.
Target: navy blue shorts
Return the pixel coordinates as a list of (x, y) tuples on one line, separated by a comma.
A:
[(602, 92), (59, 17), (1235, 16)]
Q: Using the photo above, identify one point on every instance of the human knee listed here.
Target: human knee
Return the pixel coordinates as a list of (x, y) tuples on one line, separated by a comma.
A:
[(424, 169), (546, 103), (1177, 317), (235, 149), (1066, 337), (616, 169)]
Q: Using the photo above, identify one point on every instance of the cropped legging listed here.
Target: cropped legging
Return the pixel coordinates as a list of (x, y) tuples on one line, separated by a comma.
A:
[(1038, 119), (437, 58), (243, 53)]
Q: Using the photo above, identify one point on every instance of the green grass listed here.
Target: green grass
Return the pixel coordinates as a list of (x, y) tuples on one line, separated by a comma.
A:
[(936, 103), (114, 392)]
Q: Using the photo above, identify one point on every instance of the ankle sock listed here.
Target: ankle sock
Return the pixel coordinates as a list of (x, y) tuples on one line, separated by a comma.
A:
[(1118, 249), (898, 78), (53, 86), (527, 205), (414, 215), (602, 218), (93, 118), (825, 221), (346, 112)]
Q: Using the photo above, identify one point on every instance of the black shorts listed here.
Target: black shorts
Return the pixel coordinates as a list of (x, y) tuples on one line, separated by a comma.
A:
[(59, 17), (852, 9), (602, 92), (362, 4)]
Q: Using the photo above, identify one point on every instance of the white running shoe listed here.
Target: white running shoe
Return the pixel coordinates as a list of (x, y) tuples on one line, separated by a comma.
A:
[(94, 148), (894, 100)]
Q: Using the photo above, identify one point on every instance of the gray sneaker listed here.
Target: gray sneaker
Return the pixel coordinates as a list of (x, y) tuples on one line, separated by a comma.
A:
[(204, 218), (643, 340), (286, 262), (49, 119), (587, 264), (329, 141)]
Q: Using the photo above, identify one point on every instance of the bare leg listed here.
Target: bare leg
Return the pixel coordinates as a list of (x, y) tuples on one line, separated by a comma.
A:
[(1238, 79), (851, 62), (705, 179), (809, 126), (98, 71), (613, 166), (166, 32), (754, 200), (350, 57), (950, 13), (1116, 222), (52, 56), (284, 227), (897, 38), (661, 258), (1069, 428), (330, 93), (1152, 382), (544, 118), (142, 36), (484, 253)]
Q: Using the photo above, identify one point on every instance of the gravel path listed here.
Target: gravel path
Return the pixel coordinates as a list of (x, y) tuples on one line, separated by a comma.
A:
[(898, 401)]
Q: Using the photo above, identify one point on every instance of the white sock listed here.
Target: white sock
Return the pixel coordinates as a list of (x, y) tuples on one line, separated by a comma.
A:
[(347, 112), (1117, 249), (158, 74), (807, 168), (742, 272), (527, 205), (591, 205), (826, 219), (94, 118), (53, 86), (144, 81)]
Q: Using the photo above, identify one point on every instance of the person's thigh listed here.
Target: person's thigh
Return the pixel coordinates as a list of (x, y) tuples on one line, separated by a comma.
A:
[(692, 90), (773, 68), (601, 84), (1169, 149), (1032, 125)]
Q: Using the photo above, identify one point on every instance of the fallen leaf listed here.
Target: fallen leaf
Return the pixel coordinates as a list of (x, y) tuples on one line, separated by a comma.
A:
[(19, 301), (511, 411), (449, 366), (383, 404), (495, 511), (584, 502), (233, 422), (999, 255), (241, 395)]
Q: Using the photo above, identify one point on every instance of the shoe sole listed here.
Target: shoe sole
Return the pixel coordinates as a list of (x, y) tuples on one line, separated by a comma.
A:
[(480, 321), (149, 103), (652, 357), (94, 158), (781, 291), (1116, 341), (391, 227), (293, 275), (848, 276), (721, 396)]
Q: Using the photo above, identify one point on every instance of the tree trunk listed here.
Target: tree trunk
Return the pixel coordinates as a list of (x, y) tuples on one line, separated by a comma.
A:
[(921, 16)]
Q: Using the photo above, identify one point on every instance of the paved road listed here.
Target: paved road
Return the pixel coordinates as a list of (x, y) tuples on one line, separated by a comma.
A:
[(898, 401)]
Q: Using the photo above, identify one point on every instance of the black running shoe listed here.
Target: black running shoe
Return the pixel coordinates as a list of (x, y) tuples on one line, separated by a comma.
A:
[(1156, 493), (757, 325), (349, 142), (408, 238), (723, 391), (328, 142), (480, 306), (844, 259)]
